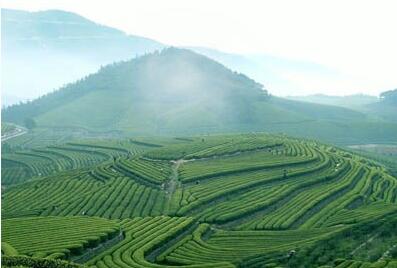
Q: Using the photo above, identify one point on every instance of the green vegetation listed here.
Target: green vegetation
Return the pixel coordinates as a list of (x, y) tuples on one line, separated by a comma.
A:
[(143, 235), (367, 242), (384, 154), (212, 146), (153, 172), (22, 261), (8, 250), (161, 160), (6, 128), (179, 92), (234, 246), (21, 165), (243, 200), (61, 235)]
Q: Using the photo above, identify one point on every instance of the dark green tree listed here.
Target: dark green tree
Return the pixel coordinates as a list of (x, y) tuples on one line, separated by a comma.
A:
[(389, 96)]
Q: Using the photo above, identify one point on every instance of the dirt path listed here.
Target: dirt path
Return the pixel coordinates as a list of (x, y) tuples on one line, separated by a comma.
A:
[(15, 133), (173, 182)]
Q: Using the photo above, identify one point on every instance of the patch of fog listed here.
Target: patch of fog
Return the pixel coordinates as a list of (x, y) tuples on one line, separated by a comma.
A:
[(46, 21), (386, 149), (372, 145), (46, 75), (82, 37)]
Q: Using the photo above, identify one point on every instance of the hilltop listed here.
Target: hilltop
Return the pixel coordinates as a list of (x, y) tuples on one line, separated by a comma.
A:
[(174, 84), (177, 91)]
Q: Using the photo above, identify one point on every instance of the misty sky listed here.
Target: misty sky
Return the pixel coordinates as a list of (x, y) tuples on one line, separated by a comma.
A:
[(355, 38)]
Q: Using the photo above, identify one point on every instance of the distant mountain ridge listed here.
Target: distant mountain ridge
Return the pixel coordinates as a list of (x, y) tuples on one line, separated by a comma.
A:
[(278, 74), (177, 92), (52, 48), (52, 29), (383, 107), (349, 101), (41, 46)]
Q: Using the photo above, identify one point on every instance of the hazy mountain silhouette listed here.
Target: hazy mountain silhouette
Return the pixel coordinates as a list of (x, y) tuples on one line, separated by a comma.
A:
[(51, 48)]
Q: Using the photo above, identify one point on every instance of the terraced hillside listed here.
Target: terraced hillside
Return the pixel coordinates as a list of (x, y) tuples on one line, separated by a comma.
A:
[(244, 200), (21, 165), (6, 128)]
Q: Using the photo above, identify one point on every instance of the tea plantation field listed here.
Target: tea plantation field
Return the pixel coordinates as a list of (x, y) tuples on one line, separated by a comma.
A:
[(241, 200)]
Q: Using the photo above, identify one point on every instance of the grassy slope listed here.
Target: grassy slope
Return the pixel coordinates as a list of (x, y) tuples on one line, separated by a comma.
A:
[(277, 115), (178, 92)]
